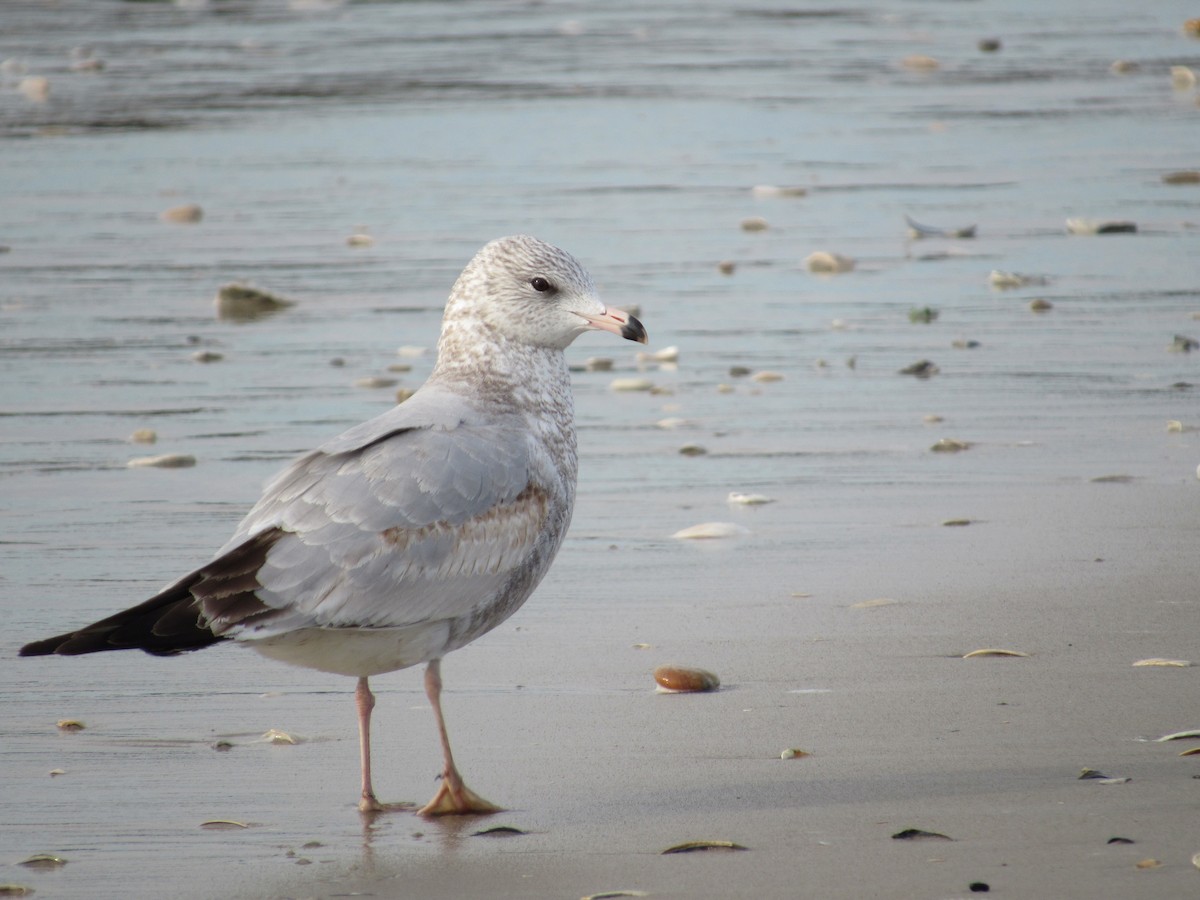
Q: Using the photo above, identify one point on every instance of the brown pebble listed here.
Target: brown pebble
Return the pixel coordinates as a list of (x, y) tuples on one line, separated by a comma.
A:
[(1040, 305), (726, 267), (682, 680), (1186, 177)]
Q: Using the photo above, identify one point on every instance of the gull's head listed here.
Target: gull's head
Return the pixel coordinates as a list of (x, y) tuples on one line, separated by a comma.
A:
[(534, 293)]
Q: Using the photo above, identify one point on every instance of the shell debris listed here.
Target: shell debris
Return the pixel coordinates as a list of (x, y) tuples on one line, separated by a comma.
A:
[(755, 223), (70, 725), (275, 736), (610, 895), (701, 846), (739, 499), (994, 651), (950, 445), (673, 679), (711, 531), (165, 461), (794, 753), (822, 262), (631, 384), (43, 861), (223, 824), (143, 436), (874, 603), (1164, 662), (243, 303), (184, 214), (763, 191), (1179, 736)]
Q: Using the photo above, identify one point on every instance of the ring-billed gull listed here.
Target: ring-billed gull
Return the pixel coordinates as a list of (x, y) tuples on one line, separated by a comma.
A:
[(414, 533)]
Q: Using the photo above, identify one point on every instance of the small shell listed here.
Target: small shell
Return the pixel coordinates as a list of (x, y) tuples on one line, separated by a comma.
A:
[(54, 773), (993, 651), (631, 384), (922, 368), (598, 364), (43, 861), (1099, 226), (166, 461), (666, 354), (610, 895), (1182, 78), (766, 377), (684, 680), (726, 267), (710, 530), (956, 523), (207, 356), (360, 238), (1160, 661), (499, 831), (826, 263), (950, 445), (223, 824), (375, 381), (186, 214), (919, 62), (1149, 863), (739, 499), (755, 223), (1185, 177), (242, 303), (1174, 426), (770, 190), (794, 753), (916, 834), (275, 736), (694, 846), (143, 436), (411, 351), (1006, 280), (692, 450), (70, 725), (1196, 860), (15, 890), (1193, 751)]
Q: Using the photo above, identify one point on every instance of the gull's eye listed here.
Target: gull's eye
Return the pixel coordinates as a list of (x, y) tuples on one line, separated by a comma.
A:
[(541, 285)]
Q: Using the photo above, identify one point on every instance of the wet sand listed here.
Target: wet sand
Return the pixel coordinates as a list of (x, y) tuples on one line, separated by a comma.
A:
[(602, 773)]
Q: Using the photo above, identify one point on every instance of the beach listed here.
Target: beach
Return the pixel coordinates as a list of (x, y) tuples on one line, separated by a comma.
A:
[(351, 159)]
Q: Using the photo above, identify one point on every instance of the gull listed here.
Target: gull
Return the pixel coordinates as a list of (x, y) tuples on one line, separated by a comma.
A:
[(412, 534)]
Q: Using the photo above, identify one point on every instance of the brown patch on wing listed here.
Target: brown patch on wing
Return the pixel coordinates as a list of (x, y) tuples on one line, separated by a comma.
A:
[(487, 542), (190, 614)]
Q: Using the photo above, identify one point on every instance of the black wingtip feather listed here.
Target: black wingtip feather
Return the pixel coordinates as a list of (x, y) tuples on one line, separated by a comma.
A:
[(177, 620)]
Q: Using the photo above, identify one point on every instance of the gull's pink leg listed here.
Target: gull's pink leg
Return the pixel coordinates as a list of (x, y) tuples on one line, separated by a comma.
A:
[(453, 797), (365, 701)]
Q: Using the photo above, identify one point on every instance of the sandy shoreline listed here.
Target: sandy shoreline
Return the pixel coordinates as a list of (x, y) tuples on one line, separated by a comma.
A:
[(603, 774)]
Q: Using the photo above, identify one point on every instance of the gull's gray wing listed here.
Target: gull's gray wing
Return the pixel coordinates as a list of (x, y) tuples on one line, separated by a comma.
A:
[(423, 513)]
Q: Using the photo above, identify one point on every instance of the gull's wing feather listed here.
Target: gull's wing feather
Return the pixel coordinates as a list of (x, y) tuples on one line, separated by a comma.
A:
[(401, 521)]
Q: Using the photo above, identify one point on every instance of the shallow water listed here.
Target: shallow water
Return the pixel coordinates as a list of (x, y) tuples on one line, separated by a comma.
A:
[(630, 135)]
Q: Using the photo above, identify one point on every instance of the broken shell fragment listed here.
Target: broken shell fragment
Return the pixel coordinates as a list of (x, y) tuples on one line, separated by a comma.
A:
[(1100, 226), (143, 436), (919, 62), (631, 384), (771, 190), (375, 381), (1179, 735), (185, 214), (43, 861), (1160, 661), (609, 895), (242, 303), (499, 831), (207, 356), (874, 604), (70, 725), (826, 263), (794, 753), (1007, 280), (1149, 863), (993, 651), (1039, 305), (701, 846), (916, 834), (922, 368), (766, 377), (739, 499), (917, 231), (666, 354), (15, 890), (166, 461), (711, 530), (950, 445), (673, 679), (1193, 751), (755, 223), (275, 736), (223, 824)]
